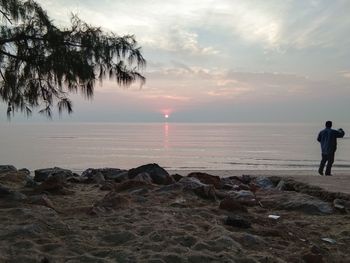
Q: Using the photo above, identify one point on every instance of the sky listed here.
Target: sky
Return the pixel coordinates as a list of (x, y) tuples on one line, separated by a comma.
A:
[(222, 60)]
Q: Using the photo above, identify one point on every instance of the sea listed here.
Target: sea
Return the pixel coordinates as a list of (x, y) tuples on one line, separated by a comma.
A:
[(174, 146)]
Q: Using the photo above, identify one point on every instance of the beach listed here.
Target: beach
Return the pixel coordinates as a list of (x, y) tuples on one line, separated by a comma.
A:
[(104, 216)]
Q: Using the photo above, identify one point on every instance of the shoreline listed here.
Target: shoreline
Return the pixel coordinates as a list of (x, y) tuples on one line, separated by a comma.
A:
[(339, 182)]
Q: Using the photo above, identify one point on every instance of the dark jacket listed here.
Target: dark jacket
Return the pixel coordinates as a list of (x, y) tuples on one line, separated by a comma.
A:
[(328, 139)]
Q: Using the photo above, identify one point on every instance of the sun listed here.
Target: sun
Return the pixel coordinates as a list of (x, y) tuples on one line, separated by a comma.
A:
[(166, 116)]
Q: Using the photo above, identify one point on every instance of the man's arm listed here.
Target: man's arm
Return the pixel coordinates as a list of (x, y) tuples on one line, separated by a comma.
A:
[(319, 137), (340, 133)]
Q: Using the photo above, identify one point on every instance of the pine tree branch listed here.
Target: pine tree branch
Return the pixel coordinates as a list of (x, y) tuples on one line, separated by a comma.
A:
[(6, 16)]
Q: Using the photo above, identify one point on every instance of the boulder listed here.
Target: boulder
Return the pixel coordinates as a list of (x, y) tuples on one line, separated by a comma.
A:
[(263, 182), (143, 177), (42, 174), (158, 174), (30, 182), (54, 184), (11, 195), (7, 168), (202, 190), (13, 179), (177, 177), (114, 174), (288, 200), (244, 197), (4, 191), (341, 205), (281, 185), (207, 179), (231, 204), (131, 185), (24, 171), (98, 178), (41, 200), (112, 200), (107, 186)]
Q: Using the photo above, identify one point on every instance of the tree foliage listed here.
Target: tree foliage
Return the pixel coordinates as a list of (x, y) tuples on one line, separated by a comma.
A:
[(41, 64)]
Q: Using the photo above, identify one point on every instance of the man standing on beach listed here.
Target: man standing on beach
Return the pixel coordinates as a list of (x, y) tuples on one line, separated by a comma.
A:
[(328, 139)]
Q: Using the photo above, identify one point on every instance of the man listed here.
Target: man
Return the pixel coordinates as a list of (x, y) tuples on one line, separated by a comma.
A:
[(328, 139)]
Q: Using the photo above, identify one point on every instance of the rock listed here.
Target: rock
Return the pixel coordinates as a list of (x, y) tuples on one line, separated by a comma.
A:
[(114, 174), (232, 204), (118, 238), (143, 177), (11, 195), (341, 205), (131, 184), (98, 178), (107, 186), (207, 179), (288, 200), (112, 200), (237, 221), (41, 200), (17, 196), (30, 182), (263, 182), (42, 174), (75, 179), (244, 197), (177, 177), (281, 186), (202, 190), (4, 191), (7, 168), (224, 243), (24, 171), (55, 183), (186, 240), (230, 183), (157, 173), (312, 258), (251, 240), (13, 180)]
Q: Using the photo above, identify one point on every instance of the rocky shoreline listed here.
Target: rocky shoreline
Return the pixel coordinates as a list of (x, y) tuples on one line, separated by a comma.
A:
[(146, 214)]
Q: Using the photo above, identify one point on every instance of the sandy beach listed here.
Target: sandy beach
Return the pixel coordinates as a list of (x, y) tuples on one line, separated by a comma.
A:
[(201, 218)]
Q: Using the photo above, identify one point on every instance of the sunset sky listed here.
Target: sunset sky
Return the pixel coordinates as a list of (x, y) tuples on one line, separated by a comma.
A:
[(223, 60)]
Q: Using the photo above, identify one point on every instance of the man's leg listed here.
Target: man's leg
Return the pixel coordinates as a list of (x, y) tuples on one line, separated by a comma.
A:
[(322, 164), (330, 162)]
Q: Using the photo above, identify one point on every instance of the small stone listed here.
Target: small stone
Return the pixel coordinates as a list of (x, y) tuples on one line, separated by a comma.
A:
[(237, 221)]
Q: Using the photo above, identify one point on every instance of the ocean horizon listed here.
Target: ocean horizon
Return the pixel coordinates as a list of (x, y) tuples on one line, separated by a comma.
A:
[(175, 146)]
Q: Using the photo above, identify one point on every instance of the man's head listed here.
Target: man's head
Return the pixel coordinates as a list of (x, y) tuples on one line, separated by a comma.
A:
[(328, 124)]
